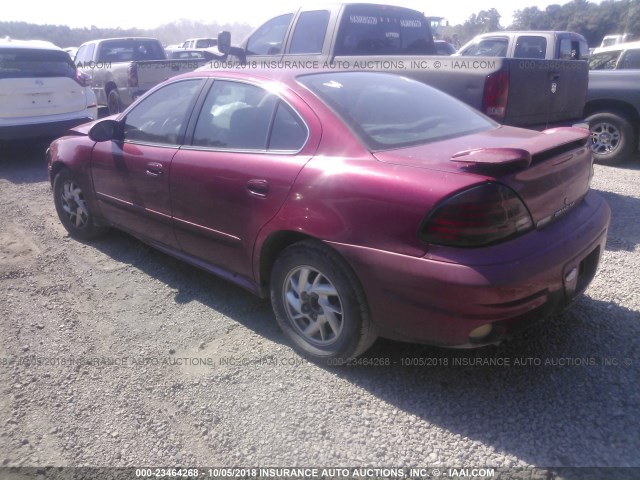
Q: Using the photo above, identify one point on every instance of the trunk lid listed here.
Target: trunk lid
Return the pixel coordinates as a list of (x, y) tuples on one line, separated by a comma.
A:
[(41, 96), (550, 170)]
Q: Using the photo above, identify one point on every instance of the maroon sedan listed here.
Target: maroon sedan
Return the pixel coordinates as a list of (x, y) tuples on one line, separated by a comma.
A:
[(365, 204)]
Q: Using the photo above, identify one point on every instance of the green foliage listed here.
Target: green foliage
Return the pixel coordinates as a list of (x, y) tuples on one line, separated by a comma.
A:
[(171, 33), (593, 20)]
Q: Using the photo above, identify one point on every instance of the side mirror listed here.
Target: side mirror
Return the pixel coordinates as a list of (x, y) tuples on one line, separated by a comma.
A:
[(224, 42), (105, 130)]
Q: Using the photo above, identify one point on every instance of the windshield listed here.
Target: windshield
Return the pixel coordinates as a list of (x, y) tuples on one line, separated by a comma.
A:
[(389, 111), (27, 63)]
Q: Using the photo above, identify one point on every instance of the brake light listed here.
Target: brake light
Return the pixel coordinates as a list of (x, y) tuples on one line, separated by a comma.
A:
[(496, 94), (132, 78), (82, 78), (480, 216)]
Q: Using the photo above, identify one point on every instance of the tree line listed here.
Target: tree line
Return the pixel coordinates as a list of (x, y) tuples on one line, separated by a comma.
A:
[(172, 33), (592, 20)]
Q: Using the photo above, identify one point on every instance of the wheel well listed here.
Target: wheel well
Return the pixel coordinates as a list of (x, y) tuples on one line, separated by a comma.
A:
[(271, 248), (612, 106), (109, 86), (55, 169)]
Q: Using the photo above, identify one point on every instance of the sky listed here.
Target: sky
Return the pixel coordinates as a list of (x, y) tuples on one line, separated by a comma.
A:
[(141, 14)]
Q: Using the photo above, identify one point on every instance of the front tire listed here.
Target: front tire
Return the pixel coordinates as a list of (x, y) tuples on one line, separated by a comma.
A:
[(319, 303), (612, 138), (72, 207)]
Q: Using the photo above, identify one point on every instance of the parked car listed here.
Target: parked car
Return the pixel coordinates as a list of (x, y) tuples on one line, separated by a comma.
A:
[(444, 48), (183, 54), (538, 44), (613, 102), (122, 69), (197, 43), (363, 204), (615, 39), (42, 93), (399, 40), (623, 56)]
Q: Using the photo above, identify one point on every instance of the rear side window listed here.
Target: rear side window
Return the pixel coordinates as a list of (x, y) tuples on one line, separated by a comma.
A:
[(488, 47), (372, 30), (126, 50), (531, 47), (268, 39), (630, 60), (310, 31), (240, 116), (27, 63)]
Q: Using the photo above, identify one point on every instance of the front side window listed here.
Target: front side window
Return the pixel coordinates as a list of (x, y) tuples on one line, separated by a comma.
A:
[(310, 32), (241, 116), (161, 117), (630, 60), (388, 111), (268, 39)]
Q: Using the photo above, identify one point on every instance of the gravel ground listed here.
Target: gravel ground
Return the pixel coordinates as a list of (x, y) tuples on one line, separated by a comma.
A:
[(145, 361)]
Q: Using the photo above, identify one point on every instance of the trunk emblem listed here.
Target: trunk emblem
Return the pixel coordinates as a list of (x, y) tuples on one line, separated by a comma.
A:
[(554, 87)]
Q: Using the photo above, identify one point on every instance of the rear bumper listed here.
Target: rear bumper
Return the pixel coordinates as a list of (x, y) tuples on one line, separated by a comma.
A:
[(40, 130), (442, 302)]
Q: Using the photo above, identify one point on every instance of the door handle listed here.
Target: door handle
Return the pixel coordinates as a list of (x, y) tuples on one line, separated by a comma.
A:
[(154, 169), (258, 187)]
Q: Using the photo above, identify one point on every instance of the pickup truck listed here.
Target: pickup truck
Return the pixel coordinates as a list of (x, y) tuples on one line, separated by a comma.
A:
[(122, 69), (525, 93), (613, 113), (540, 44)]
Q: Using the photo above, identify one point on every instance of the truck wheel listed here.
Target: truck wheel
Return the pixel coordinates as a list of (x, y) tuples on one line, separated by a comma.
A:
[(319, 304), (612, 138), (113, 102)]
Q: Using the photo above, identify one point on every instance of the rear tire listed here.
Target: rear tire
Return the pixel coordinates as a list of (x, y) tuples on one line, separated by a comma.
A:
[(72, 208), (613, 138), (114, 104), (319, 304)]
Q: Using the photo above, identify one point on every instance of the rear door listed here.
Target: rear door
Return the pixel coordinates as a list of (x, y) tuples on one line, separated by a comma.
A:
[(248, 147), (38, 83)]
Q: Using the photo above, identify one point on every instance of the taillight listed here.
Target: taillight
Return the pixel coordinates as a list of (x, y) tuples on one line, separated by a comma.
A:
[(132, 78), (496, 93), (482, 215), (82, 78)]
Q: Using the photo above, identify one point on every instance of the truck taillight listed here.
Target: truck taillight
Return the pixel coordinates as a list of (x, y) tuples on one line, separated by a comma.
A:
[(496, 94), (482, 215), (83, 79), (132, 79)]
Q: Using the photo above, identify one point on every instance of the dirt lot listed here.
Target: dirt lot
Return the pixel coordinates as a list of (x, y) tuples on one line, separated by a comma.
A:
[(113, 354)]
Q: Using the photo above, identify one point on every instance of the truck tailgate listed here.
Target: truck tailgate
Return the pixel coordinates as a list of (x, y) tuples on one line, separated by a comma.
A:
[(543, 93)]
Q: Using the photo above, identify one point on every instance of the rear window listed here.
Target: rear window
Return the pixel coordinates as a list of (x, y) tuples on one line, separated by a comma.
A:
[(389, 111), (371, 30), (487, 47), (27, 63), (126, 50)]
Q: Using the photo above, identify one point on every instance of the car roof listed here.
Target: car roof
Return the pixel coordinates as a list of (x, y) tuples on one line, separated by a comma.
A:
[(618, 46), (31, 44)]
